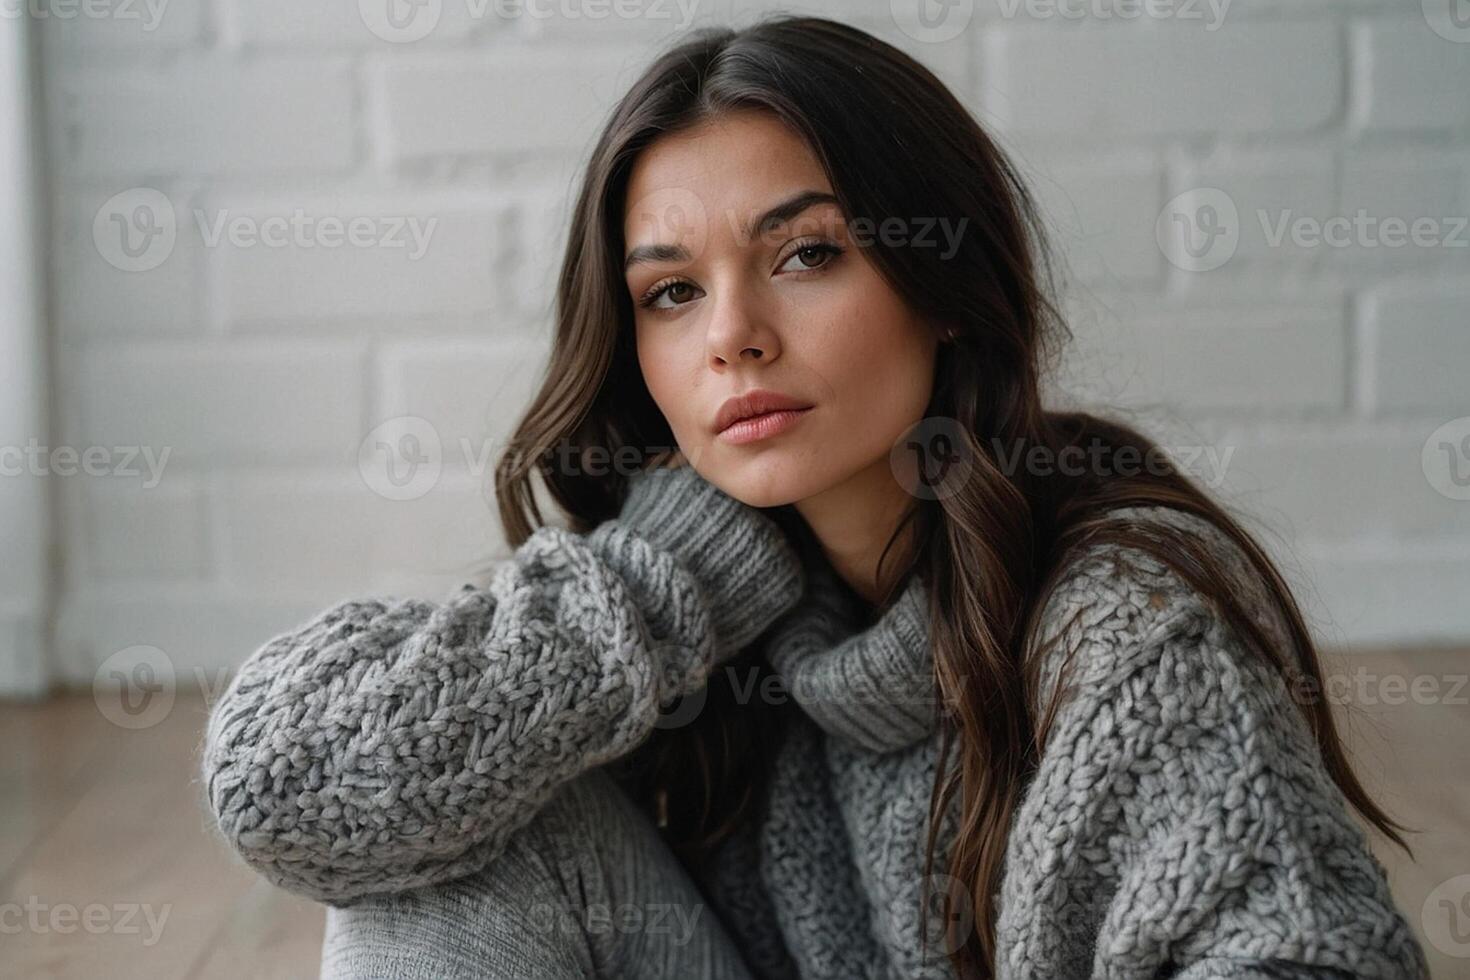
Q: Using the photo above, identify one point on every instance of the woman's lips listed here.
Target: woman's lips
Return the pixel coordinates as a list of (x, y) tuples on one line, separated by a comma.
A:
[(762, 426)]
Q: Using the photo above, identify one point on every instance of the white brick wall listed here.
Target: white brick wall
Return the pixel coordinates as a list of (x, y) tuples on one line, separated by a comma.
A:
[(27, 578), (1319, 370), (1162, 79), (206, 112)]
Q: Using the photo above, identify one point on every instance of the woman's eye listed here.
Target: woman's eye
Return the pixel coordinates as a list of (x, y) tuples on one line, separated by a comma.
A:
[(679, 292), (811, 257)]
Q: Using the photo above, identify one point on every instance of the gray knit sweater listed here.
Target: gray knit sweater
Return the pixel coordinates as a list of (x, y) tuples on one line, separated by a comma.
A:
[(1180, 823)]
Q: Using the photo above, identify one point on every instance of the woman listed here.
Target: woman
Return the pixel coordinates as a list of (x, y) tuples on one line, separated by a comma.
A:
[(900, 674)]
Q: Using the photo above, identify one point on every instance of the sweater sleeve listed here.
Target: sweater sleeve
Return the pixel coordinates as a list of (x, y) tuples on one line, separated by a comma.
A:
[(1181, 819), (389, 744)]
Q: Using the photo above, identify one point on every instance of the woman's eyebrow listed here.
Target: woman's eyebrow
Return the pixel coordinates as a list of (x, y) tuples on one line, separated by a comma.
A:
[(655, 253), (787, 210), (781, 213)]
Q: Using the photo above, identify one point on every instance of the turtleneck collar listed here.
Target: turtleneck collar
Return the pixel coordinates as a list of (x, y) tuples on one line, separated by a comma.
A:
[(868, 682)]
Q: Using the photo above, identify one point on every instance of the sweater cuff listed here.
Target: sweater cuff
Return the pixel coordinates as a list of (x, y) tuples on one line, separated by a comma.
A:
[(748, 570)]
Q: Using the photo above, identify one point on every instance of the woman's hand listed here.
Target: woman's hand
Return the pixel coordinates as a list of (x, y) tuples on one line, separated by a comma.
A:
[(747, 570)]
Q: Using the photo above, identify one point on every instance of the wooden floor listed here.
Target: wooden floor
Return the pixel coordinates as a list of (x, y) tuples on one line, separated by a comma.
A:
[(92, 814), (109, 864)]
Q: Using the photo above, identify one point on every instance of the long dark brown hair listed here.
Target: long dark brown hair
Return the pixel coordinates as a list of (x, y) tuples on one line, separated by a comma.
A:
[(893, 141)]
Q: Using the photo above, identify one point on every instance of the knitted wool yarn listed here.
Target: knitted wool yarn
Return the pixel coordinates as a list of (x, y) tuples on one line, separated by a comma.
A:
[(1180, 823)]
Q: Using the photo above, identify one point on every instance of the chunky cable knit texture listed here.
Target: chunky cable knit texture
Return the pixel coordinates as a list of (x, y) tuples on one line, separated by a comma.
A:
[(1180, 823)]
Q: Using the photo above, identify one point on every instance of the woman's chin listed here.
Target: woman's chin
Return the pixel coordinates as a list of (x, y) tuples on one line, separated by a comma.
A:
[(760, 483)]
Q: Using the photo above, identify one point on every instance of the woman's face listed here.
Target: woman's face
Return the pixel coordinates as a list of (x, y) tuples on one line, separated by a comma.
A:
[(726, 302)]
